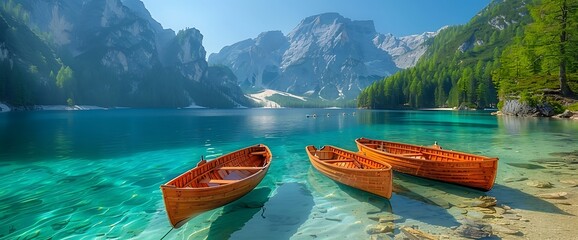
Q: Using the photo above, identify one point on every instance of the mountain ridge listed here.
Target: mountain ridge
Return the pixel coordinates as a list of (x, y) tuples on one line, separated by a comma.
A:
[(336, 55)]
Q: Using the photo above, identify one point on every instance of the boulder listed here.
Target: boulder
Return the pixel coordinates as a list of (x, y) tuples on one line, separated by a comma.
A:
[(515, 107), (565, 114)]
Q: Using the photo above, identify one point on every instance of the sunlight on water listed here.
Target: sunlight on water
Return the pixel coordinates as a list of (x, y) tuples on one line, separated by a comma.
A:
[(96, 174)]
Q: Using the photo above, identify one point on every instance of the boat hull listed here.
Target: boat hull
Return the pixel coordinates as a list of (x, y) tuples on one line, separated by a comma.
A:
[(189, 195), (377, 180), (443, 165)]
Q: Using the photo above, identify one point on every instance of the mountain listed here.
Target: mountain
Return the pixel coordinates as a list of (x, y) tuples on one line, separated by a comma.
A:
[(457, 68), (110, 53), (326, 56), (255, 62), (405, 51)]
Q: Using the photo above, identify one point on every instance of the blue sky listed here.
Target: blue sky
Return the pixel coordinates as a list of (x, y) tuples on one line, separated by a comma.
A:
[(225, 22)]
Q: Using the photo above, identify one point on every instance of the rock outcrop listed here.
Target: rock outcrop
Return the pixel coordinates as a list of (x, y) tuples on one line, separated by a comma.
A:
[(515, 107)]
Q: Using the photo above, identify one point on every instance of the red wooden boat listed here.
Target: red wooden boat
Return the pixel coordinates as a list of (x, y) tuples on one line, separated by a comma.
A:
[(433, 162), (215, 183), (352, 169)]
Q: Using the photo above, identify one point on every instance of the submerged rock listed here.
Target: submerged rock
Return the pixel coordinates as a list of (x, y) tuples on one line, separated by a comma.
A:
[(483, 202), (556, 195), (539, 184), (380, 228), (504, 230), (571, 182), (474, 230), (414, 233)]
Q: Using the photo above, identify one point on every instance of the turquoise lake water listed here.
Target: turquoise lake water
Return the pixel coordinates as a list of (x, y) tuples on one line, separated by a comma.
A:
[(96, 174)]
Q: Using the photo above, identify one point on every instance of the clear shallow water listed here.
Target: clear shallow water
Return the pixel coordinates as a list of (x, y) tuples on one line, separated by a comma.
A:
[(96, 174)]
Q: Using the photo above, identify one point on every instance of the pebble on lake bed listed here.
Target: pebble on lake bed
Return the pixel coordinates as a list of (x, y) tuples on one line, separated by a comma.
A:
[(556, 195), (571, 182), (539, 184)]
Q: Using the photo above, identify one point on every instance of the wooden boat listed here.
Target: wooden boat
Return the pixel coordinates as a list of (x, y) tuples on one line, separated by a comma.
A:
[(352, 169), (433, 162), (215, 183)]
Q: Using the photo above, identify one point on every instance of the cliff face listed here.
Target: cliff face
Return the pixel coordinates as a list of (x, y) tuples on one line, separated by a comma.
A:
[(121, 56), (255, 62), (405, 51)]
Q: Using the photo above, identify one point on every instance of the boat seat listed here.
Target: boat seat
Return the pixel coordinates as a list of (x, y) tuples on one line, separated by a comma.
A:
[(219, 181), (241, 168), (259, 153), (337, 160)]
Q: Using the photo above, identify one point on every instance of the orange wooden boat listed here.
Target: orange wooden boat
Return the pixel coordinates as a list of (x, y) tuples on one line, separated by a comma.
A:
[(352, 169), (433, 162), (215, 183)]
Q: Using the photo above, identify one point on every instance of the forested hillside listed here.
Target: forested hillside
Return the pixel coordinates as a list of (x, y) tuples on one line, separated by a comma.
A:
[(466, 65), (27, 64), (104, 53), (546, 56)]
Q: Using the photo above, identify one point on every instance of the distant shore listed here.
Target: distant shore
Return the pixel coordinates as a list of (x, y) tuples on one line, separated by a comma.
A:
[(437, 109), (6, 108)]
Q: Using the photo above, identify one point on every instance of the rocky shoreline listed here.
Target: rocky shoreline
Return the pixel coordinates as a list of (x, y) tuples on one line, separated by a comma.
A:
[(517, 108)]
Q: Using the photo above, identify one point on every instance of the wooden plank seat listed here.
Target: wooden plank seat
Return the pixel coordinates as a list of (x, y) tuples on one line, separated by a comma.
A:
[(241, 168), (218, 181), (259, 153), (337, 160)]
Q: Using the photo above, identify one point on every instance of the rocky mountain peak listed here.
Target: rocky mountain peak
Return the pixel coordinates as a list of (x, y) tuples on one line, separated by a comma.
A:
[(325, 56), (271, 41)]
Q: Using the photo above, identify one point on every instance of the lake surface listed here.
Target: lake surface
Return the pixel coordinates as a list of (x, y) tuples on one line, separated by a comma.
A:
[(96, 174)]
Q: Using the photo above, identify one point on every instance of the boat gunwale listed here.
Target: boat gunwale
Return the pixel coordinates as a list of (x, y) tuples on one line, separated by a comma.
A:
[(264, 168)]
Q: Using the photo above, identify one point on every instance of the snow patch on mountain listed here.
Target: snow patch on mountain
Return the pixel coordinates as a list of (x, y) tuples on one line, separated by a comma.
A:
[(262, 96)]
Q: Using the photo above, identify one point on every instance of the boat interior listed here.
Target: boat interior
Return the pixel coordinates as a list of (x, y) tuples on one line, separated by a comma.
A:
[(344, 159), (233, 170)]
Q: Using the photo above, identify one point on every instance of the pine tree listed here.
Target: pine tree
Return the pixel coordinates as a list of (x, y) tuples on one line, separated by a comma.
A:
[(553, 21)]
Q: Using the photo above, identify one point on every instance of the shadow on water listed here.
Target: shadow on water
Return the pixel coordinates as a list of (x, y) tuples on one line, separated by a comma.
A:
[(379, 202), (415, 199), (236, 214), (408, 186), (324, 186), (281, 216), (445, 194), (521, 200)]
